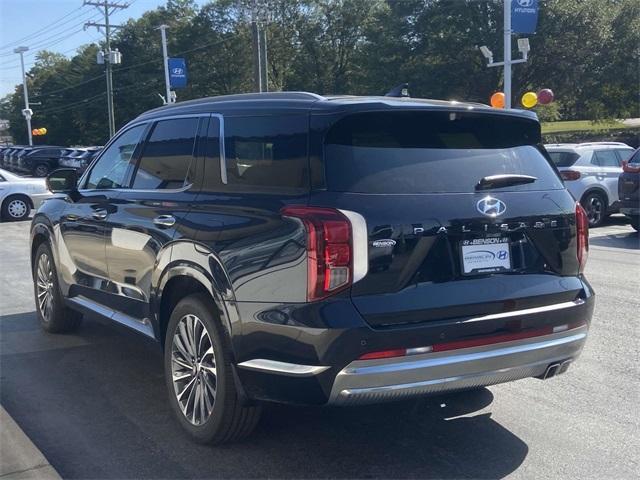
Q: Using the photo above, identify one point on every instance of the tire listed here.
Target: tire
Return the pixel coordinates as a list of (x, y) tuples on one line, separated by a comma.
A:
[(595, 205), (41, 170), (216, 419), (54, 317), (16, 208)]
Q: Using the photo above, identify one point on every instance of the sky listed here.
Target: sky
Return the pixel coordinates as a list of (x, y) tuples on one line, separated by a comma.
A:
[(55, 25)]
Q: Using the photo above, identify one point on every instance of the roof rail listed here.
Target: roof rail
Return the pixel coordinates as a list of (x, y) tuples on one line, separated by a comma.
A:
[(618, 144), (265, 96)]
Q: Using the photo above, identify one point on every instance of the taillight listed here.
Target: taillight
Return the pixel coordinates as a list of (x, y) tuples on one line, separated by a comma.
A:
[(626, 167), (570, 174), (332, 263), (582, 234)]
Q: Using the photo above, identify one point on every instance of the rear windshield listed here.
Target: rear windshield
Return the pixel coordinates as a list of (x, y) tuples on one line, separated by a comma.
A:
[(564, 159), (432, 152)]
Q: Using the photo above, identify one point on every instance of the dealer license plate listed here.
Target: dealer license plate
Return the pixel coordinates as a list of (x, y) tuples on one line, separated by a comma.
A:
[(485, 255)]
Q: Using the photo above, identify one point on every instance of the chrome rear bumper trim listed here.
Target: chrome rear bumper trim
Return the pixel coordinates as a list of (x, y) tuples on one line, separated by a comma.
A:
[(282, 368), (372, 381), (528, 311)]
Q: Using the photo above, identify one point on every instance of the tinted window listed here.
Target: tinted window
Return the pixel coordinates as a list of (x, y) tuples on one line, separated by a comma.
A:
[(624, 154), (564, 159), (267, 151), (636, 157), (114, 165), (605, 158), (167, 155), (430, 152)]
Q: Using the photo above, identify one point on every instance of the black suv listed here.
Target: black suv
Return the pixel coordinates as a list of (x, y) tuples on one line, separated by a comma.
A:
[(40, 161), (295, 248)]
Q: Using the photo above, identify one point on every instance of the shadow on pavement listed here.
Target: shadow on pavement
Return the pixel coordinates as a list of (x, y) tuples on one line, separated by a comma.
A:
[(95, 404)]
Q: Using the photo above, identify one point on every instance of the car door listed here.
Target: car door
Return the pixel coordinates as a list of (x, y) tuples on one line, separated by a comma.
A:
[(609, 169), (150, 215), (83, 225)]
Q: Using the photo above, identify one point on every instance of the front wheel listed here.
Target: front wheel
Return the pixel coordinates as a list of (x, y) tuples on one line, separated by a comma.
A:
[(16, 208), (596, 207), (199, 375), (53, 315)]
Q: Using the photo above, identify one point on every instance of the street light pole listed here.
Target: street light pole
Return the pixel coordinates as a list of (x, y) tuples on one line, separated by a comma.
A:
[(165, 57), (507, 53), (27, 112)]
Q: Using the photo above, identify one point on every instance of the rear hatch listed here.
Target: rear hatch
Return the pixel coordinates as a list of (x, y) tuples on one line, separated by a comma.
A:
[(465, 214)]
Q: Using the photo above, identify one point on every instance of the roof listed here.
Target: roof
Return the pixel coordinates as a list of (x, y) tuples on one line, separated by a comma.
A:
[(306, 101)]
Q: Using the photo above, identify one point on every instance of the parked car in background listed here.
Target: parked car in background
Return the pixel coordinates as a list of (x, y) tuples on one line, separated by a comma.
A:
[(15, 153), (629, 189), (289, 247), (19, 195), (590, 172), (42, 160), (79, 159)]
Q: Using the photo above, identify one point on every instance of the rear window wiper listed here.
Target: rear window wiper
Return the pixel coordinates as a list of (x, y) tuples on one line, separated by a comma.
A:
[(505, 180)]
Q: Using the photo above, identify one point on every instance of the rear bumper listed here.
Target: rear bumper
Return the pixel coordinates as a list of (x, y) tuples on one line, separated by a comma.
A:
[(373, 381), (305, 365)]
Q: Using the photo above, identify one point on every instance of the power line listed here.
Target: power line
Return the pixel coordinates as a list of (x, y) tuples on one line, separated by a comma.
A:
[(52, 34), (21, 40), (49, 44), (69, 87)]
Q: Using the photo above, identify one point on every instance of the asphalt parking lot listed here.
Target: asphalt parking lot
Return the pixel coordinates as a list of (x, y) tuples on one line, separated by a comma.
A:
[(95, 402)]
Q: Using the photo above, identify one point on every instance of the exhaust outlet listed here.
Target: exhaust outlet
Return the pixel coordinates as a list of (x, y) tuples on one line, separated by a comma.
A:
[(552, 370)]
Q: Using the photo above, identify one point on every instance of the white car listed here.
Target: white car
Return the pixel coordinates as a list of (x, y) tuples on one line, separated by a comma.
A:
[(18, 195), (590, 172)]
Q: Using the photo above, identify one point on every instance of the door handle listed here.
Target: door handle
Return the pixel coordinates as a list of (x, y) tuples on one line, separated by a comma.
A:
[(165, 221), (99, 214)]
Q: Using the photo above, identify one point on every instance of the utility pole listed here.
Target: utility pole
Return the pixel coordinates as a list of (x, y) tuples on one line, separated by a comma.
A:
[(507, 54), (259, 43), (27, 112), (111, 57), (257, 62), (165, 58), (523, 48)]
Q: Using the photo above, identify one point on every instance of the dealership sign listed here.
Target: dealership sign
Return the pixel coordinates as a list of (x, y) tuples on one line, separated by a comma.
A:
[(177, 73), (524, 16)]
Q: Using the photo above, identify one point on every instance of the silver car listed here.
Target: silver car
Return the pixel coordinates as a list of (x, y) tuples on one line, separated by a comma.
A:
[(18, 195), (590, 172)]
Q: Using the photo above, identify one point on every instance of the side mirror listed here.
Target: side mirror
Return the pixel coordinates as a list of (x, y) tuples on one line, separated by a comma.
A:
[(63, 180)]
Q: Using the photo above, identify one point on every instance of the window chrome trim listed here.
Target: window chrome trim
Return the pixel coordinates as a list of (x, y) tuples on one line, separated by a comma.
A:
[(129, 126), (223, 158)]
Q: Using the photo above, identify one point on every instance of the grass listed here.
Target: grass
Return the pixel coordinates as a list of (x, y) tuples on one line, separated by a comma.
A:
[(581, 126)]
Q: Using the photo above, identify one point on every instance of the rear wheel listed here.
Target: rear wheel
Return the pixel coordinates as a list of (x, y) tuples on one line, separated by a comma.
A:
[(16, 208), (596, 207), (41, 170), (199, 375), (53, 315)]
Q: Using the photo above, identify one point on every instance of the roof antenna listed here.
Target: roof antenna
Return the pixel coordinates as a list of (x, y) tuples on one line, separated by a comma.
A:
[(401, 90)]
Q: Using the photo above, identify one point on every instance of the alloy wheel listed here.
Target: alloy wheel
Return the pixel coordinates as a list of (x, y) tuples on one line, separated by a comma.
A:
[(193, 369), (595, 209), (17, 208), (44, 286)]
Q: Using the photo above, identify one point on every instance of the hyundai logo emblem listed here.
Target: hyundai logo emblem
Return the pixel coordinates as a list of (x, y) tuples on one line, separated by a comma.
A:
[(525, 3), (177, 71), (491, 207)]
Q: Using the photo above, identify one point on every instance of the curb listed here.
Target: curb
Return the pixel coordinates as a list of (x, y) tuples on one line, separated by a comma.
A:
[(19, 457)]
